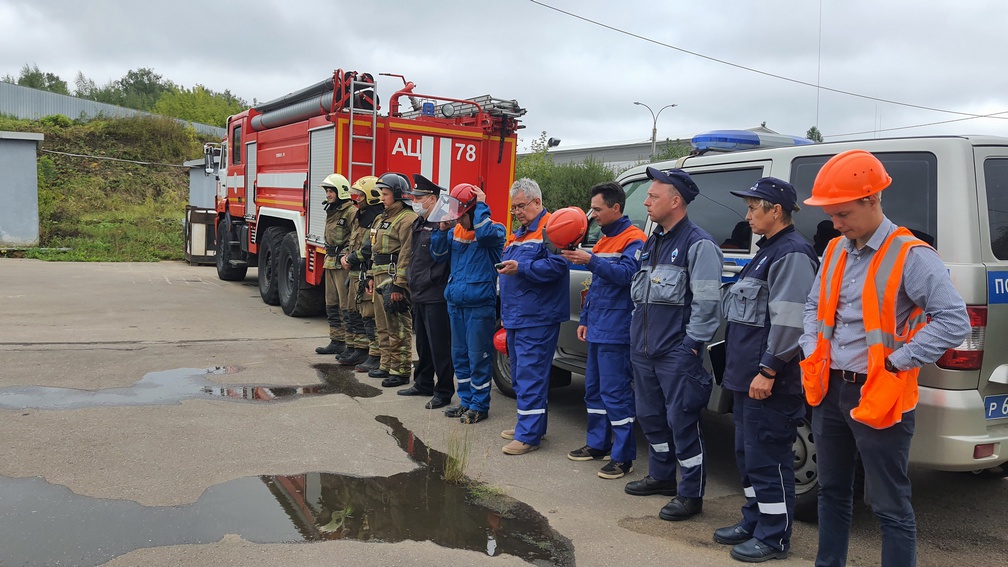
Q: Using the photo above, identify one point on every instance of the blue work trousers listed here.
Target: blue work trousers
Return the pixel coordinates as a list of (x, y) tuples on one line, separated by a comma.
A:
[(764, 452), (472, 330), (531, 352), (670, 391), (885, 454), (609, 398)]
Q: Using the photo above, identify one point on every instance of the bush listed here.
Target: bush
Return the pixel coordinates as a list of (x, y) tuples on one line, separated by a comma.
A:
[(56, 120)]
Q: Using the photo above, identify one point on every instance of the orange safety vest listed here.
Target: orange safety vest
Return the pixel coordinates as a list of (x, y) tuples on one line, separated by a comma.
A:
[(884, 396)]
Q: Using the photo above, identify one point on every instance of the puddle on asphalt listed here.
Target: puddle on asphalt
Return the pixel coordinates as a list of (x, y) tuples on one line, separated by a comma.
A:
[(47, 524), (172, 386)]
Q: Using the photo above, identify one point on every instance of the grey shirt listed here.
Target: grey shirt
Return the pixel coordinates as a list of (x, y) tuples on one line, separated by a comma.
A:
[(925, 283)]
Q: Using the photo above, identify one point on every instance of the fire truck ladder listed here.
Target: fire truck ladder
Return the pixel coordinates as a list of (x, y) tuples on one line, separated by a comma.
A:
[(369, 137)]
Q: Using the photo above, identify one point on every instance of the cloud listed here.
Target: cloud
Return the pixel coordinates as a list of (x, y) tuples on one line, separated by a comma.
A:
[(577, 79)]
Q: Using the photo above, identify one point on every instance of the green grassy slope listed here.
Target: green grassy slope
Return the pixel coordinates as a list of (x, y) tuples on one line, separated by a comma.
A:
[(99, 210)]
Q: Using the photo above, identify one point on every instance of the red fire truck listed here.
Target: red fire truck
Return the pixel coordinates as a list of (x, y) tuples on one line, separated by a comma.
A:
[(269, 202)]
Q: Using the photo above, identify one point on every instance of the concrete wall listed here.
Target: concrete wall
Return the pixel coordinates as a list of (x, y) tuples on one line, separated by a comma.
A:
[(19, 218)]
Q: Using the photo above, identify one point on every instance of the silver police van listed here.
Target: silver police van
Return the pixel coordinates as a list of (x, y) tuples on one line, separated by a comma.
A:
[(952, 192)]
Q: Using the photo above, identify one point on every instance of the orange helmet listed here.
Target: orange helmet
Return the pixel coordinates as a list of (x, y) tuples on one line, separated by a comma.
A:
[(566, 227), (848, 176)]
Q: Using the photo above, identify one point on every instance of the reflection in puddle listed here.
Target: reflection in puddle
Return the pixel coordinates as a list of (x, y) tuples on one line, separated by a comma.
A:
[(173, 386), (417, 505)]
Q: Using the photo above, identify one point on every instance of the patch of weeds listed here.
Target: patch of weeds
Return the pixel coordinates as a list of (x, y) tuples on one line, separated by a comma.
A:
[(459, 447)]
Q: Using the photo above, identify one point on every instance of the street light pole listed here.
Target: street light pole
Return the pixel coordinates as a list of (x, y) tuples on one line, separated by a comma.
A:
[(654, 123)]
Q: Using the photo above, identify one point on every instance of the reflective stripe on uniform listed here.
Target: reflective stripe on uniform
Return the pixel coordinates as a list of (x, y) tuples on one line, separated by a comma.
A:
[(692, 462)]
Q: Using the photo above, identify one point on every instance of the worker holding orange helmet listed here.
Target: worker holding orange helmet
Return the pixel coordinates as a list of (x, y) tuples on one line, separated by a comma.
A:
[(535, 299), (881, 306), (605, 325)]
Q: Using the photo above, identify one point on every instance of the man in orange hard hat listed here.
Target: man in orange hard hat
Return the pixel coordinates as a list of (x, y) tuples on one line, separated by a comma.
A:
[(864, 353), (605, 326)]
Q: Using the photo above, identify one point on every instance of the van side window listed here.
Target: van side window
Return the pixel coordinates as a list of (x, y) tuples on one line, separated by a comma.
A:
[(911, 200), (719, 212), (636, 192), (996, 178)]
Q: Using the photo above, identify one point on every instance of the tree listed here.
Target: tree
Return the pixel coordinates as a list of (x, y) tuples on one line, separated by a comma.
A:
[(84, 87), (34, 78), (199, 104), (814, 134), (564, 184)]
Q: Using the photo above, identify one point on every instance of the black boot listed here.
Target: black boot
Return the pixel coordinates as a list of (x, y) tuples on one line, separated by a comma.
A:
[(352, 356), (369, 364), (334, 347)]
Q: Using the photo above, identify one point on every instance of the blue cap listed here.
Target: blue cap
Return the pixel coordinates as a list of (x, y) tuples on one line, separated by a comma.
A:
[(677, 178), (773, 190)]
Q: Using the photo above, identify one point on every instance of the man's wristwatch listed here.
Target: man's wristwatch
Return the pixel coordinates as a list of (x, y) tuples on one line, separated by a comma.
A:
[(889, 366)]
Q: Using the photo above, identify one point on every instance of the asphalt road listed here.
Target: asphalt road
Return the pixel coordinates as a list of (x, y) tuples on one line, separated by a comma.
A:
[(130, 440)]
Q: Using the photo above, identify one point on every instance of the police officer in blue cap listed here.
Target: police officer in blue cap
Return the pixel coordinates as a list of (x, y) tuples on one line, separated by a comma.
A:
[(676, 297), (764, 314)]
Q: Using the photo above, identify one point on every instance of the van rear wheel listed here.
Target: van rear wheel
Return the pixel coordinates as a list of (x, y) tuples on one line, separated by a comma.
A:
[(806, 470), (502, 374)]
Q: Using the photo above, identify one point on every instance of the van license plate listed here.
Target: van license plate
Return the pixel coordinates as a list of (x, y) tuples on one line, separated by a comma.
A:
[(996, 407)]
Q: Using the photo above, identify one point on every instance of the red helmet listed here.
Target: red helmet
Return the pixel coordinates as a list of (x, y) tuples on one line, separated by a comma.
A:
[(500, 341), (455, 204), (465, 195), (566, 227)]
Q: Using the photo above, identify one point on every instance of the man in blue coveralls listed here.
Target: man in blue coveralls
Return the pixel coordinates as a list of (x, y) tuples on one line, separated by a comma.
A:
[(764, 309), (676, 297), (605, 325), (473, 246), (535, 299)]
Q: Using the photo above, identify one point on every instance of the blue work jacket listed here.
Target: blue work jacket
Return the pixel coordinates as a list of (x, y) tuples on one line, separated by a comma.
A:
[(473, 253), (607, 305), (764, 309), (539, 294), (676, 291)]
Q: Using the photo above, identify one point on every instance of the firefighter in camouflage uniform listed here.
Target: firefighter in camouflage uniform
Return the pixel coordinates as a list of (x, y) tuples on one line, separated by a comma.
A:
[(361, 339), (339, 215), (391, 241)]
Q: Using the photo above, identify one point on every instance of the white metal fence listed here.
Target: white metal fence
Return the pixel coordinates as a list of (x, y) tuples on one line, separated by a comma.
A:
[(31, 104)]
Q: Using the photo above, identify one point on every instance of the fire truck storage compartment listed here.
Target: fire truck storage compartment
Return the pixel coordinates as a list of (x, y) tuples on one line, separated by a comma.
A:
[(250, 180), (200, 237), (323, 157)]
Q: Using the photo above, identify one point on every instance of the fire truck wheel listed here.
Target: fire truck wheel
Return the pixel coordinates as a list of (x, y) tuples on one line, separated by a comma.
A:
[(225, 253), (269, 247), (297, 297)]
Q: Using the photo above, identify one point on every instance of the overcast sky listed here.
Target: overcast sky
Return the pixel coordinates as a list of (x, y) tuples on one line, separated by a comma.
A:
[(577, 79)]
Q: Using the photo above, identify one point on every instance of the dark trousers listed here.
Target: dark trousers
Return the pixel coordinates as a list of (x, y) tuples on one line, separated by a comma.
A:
[(885, 454), (432, 332), (764, 452), (670, 391)]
